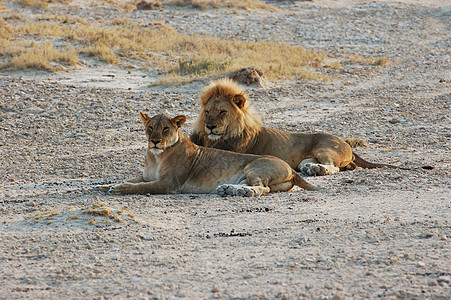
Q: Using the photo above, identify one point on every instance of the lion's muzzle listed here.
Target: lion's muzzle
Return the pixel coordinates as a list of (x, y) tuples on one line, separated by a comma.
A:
[(156, 144), (210, 128)]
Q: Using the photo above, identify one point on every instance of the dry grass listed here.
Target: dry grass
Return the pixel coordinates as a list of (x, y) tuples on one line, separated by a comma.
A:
[(45, 214), (97, 212), (379, 61), (32, 55), (44, 4), (359, 59), (99, 209), (61, 40), (153, 46)]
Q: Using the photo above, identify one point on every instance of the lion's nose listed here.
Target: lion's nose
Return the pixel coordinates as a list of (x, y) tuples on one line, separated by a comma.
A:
[(211, 127), (155, 141)]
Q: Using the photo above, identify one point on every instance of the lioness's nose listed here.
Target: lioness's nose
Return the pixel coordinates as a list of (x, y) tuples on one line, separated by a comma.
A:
[(155, 141), (211, 127)]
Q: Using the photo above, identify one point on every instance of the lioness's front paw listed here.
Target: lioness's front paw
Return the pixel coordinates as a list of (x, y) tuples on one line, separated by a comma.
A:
[(121, 188), (311, 169)]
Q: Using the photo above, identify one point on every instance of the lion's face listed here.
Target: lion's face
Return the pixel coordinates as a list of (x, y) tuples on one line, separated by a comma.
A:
[(218, 113), (161, 131), (225, 115)]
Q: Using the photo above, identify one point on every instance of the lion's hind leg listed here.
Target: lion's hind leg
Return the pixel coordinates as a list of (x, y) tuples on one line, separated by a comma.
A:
[(312, 167)]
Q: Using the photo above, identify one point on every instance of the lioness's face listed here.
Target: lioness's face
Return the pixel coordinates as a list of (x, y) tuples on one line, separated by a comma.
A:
[(218, 113), (161, 131)]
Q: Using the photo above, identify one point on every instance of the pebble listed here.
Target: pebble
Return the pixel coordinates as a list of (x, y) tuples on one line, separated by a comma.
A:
[(443, 278), (394, 260), (421, 264), (432, 283)]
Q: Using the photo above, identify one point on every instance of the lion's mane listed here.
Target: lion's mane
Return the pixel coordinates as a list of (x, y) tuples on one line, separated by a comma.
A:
[(243, 123)]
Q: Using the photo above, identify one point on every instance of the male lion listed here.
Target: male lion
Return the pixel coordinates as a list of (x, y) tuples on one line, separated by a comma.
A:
[(226, 121), (176, 165)]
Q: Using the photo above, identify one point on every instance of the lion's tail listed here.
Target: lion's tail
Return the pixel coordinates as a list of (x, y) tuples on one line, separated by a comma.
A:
[(300, 182), (370, 165)]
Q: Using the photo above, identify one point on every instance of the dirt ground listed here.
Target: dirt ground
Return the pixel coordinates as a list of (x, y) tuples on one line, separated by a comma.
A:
[(377, 233)]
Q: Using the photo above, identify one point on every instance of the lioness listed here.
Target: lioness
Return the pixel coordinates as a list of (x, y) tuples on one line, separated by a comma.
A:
[(226, 121), (176, 165)]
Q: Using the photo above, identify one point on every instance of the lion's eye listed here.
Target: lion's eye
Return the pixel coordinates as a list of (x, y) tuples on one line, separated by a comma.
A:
[(166, 129), (150, 128), (222, 112), (207, 112)]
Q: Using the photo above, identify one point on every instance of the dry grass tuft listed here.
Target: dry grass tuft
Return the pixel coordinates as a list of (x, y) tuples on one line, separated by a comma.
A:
[(32, 55), (359, 59), (43, 4), (97, 212), (102, 52), (45, 214), (199, 66), (380, 61), (33, 3), (99, 209)]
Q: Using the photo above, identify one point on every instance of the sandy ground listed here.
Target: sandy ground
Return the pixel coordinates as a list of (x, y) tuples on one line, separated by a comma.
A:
[(371, 234)]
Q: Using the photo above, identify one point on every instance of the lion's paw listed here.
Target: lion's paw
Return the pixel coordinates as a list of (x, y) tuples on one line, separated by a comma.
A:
[(235, 190), (121, 188), (220, 190), (311, 169), (245, 191)]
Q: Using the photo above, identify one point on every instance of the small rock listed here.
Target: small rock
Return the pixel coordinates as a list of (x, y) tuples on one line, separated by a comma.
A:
[(432, 283), (421, 264), (394, 260), (443, 278)]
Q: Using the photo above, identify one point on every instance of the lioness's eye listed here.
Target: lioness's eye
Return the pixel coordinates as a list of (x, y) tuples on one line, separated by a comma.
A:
[(222, 112), (207, 112), (165, 129), (150, 128)]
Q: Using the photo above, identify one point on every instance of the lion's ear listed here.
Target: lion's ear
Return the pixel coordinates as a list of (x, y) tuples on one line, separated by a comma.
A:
[(239, 100), (144, 117), (179, 120)]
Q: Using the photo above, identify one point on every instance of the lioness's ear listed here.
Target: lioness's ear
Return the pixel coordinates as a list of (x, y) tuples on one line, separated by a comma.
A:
[(179, 120), (144, 117), (239, 100)]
